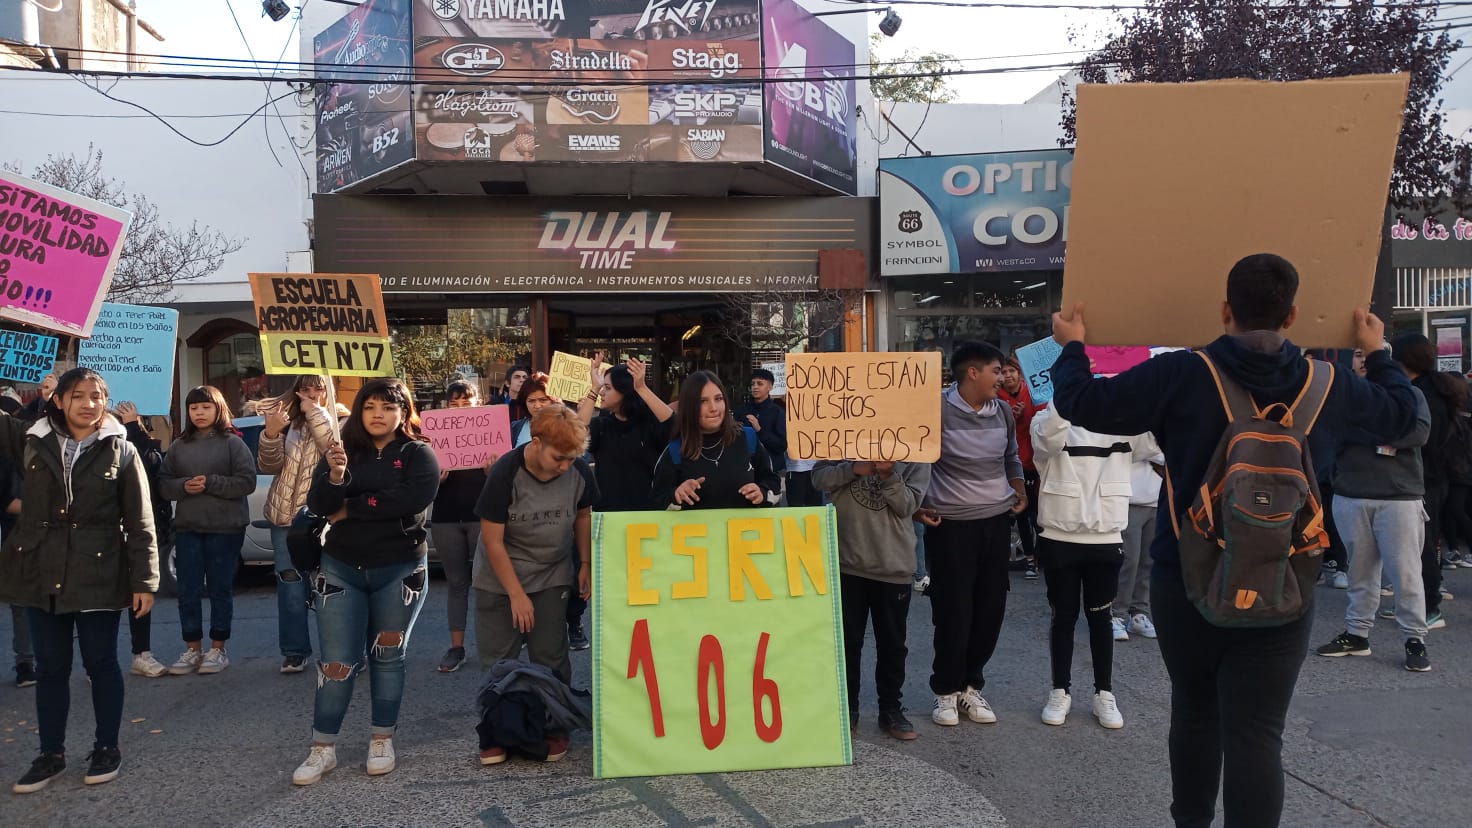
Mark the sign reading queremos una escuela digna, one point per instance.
(467, 244)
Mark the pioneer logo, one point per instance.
(473, 59)
(689, 15)
(593, 143)
(706, 105)
(591, 61)
(329, 115)
(705, 144)
(713, 59)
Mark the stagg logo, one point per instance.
(597, 61)
(592, 104)
(708, 105)
(593, 143)
(910, 221)
(344, 109)
(473, 59)
(705, 144)
(689, 15)
(713, 59)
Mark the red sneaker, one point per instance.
(556, 748)
(493, 756)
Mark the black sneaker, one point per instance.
(293, 664)
(1031, 573)
(1416, 660)
(102, 765)
(453, 658)
(47, 766)
(25, 675)
(576, 639)
(1345, 644)
(895, 724)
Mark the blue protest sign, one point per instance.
(132, 347)
(26, 357)
(1037, 367)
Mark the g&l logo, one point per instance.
(910, 221)
(473, 59)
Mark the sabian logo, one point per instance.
(705, 144)
(473, 59)
(593, 143)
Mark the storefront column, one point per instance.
(541, 346)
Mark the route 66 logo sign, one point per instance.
(910, 221)
(446, 9)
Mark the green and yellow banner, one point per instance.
(718, 642)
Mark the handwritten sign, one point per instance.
(465, 438)
(864, 406)
(58, 251)
(569, 380)
(779, 371)
(26, 357)
(1037, 367)
(132, 347)
(322, 323)
(718, 646)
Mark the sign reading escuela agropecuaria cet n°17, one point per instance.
(473, 244)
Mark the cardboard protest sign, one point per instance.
(718, 646)
(132, 347)
(322, 323)
(1116, 359)
(465, 438)
(1159, 216)
(26, 357)
(58, 251)
(1036, 361)
(864, 406)
(568, 378)
(779, 371)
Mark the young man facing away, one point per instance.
(1230, 687)
(875, 502)
(975, 489)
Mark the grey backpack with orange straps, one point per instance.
(1252, 540)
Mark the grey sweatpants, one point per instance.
(457, 544)
(1133, 594)
(497, 638)
(1388, 535)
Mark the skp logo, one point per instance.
(708, 105)
(473, 59)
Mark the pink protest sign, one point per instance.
(465, 438)
(1115, 359)
(58, 251)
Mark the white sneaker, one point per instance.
(1386, 591)
(945, 711)
(1107, 711)
(213, 662)
(380, 756)
(977, 710)
(322, 759)
(922, 583)
(1140, 624)
(144, 664)
(1056, 710)
(1341, 580)
(1120, 633)
(188, 662)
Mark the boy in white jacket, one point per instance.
(1082, 511)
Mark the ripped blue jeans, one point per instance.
(371, 608)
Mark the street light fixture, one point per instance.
(888, 26)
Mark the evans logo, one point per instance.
(593, 143)
(473, 59)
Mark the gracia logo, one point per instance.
(910, 221)
(594, 105)
(473, 59)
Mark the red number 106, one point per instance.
(711, 664)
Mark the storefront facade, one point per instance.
(1432, 256)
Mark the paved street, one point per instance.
(1368, 744)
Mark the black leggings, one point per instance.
(1081, 570)
(1027, 521)
(1456, 522)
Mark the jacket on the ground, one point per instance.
(1174, 396)
(85, 538)
(292, 456)
(1390, 471)
(876, 525)
(230, 474)
(387, 493)
(1084, 489)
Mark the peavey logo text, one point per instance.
(713, 59)
(689, 15)
(606, 241)
(473, 59)
(598, 61)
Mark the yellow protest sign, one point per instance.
(864, 406)
(569, 377)
(718, 646)
(322, 323)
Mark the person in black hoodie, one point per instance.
(375, 488)
(713, 463)
(456, 532)
(1230, 687)
(768, 417)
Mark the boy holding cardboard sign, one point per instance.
(1230, 686)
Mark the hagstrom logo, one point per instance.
(473, 59)
(705, 144)
(713, 59)
(689, 15)
(910, 221)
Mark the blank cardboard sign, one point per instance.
(1174, 183)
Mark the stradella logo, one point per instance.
(593, 143)
(473, 59)
(910, 221)
(445, 9)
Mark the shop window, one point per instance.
(234, 365)
(475, 344)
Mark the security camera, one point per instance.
(890, 24)
(277, 9)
